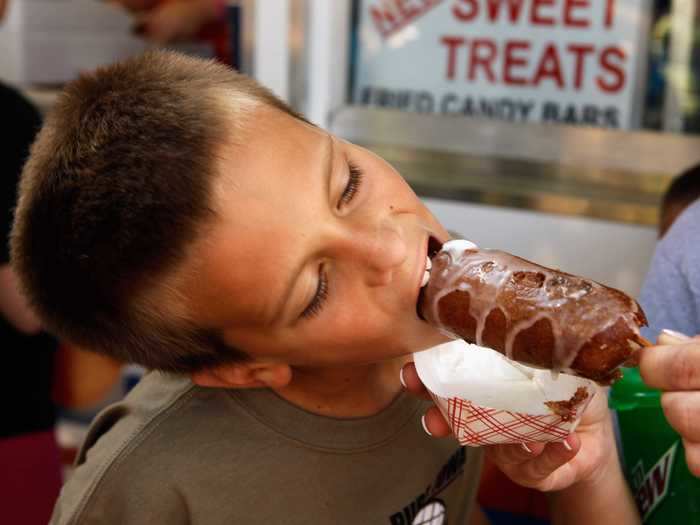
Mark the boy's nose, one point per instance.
(380, 252)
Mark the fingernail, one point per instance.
(425, 427)
(566, 445)
(527, 449)
(403, 382)
(675, 335)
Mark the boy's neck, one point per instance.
(345, 392)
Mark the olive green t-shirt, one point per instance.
(175, 453)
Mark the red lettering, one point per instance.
(580, 51)
(391, 15)
(452, 43)
(407, 9)
(383, 18)
(512, 60)
(615, 70)
(514, 9)
(477, 59)
(467, 11)
(644, 497)
(569, 7)
(549, 67)
(660, 475)
(536, 17)
(609, 13)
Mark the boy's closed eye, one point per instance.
(355, 175)
(354, 180)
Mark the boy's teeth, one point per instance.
(426, 273)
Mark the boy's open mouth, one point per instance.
(434, 247)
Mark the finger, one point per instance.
(675, 367)
(159, 28)
(411, 381)
(682, 410)
(435, 424)
(692, 456)
(671, 337)
(552, 457)
(510, 455)
(546, 468)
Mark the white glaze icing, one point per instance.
(456, 247)
(577, 309)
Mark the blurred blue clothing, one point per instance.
(671, 292)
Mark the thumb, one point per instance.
(671, 337)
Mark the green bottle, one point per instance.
(653, 455)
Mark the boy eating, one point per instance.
(175, 214)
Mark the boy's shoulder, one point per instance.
(137, 450)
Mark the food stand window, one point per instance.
(521, 121)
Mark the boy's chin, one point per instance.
(428, 337)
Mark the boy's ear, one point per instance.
(247, 374)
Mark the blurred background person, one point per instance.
(38, 370)
(670, 295)
(30, 477)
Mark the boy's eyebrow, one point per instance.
(329, 164)
(328, 158)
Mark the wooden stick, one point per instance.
(633, 360)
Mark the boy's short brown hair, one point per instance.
(116, 188)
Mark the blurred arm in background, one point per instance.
(13, 305)
(83, 379)
(166, 21)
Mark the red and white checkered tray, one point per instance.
(474, 425)
(488, 399)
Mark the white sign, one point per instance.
(564, 61)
